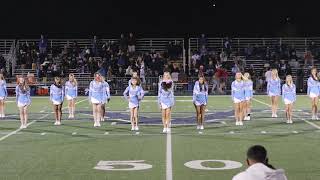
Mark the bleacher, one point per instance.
(239, 44)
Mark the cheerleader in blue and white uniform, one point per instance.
(57, 97)
(3, 95)
(238, 97)
(200, 100)
(97, 97)
(314, 92)
(289, 97)
(134, 94)
(134, 75)
(71, 92)
(23, 101)
(248, 92)
(274, 91)
(166, 100)
(107, 96)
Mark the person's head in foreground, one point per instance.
(259, 168)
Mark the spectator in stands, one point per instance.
(210, 68)
(227, 46)
(235, 69)
(203, 40)
(203, 51)
(259, 167)
(308, 59)
(195, 57)
(95, 46)
(223, 57)
(293, 52)
(131, 43)
(142, 72)
(123, 43)
(42, 45)
(300, 78)
(268, 74)
(2, 62)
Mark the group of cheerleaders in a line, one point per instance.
(242, 94)
(99, 95)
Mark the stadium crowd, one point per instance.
(120, 58)
(113, 58)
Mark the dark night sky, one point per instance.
(108, 18)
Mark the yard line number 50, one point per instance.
(137, 165)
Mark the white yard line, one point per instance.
(169, 158)
(306, 121)
(18, 130)
(32, 122)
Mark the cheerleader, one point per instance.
(23, 101)
(97, 97)
(3, 95)
(134, 75)
(56, 97)
(238, 96)
(248, 93)
(314, 92)
(289, 97)
(166, 100)
(107, 96)
(134, 94)
(200, 100)
(71, 92)
(274, 91)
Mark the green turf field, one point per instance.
(72, 151)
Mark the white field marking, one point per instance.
(12, 115)
(32, 122)
(42, 134)
(74, 133)
(295, 132)
(308, 122)
(200, 132)
(169, 158)
(113, 123)
(18, 130)
(161, 134)
(223, 122)
(263, 132)
(137, 133)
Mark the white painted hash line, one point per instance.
(308, 122)
(169, 158)
(32, 122)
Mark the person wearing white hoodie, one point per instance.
(259, 168)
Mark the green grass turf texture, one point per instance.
(61, 155)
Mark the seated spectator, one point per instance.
(259, 167)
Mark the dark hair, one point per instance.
(166, 85)
(259, 154)
(59, 84)
(204, 83)
(137, 79)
